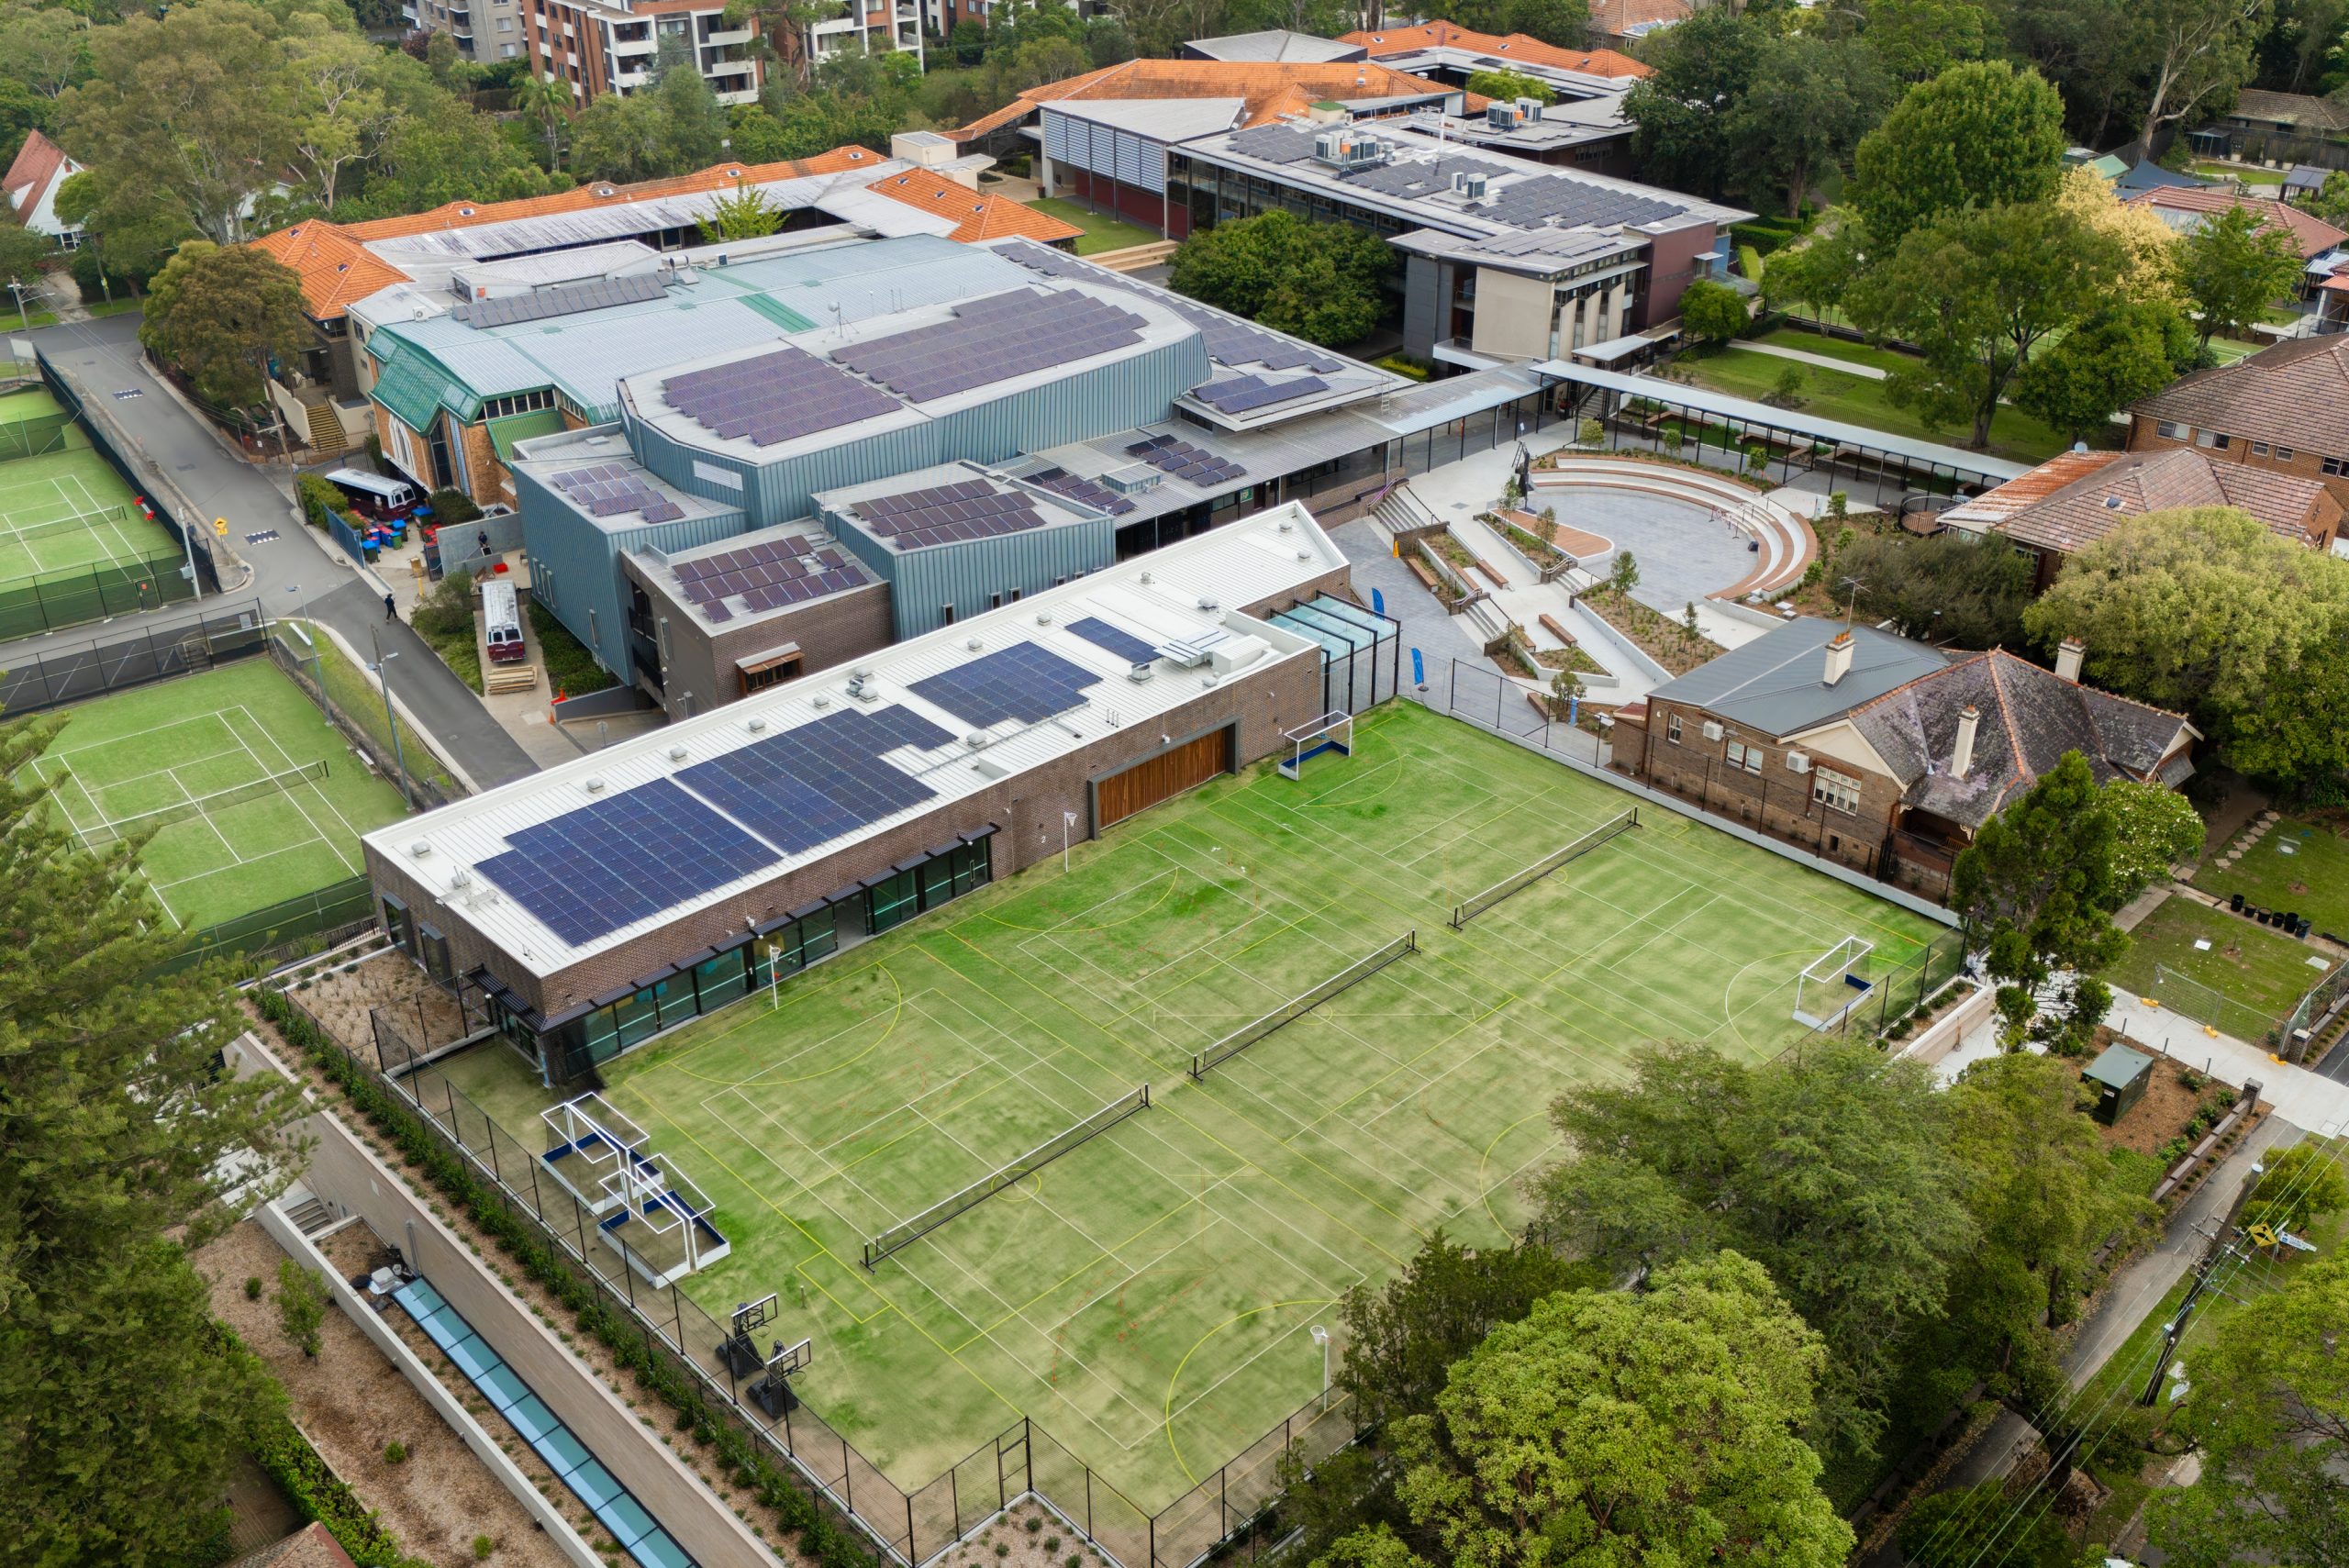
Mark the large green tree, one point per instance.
(1918, 39)
(2038, 887)
(2302, 1184)
(222, 316)
(119, 1412)
(1979, 135)
(1614, 1427)
(1807, 105)
(1954, 589)
(2197, 52)
(1977, 289)
(1683, 111)
(44, 49)
(2270, 1412)
(1826, 1165)
(2154, 829)
(2232, 267)
(2119, 354)
(2208, 612)
(1319, 281)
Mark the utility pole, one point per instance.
(381, 668)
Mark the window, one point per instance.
(893, 901)
(1839, 790)
(1744, 756)
(946, 615)
(1672, 729)
(2259, 449)
(520, 403)
(435, 954)
(2211, 438)
(995, 601)
(1737, 753)
(399, 924)
(2170, 429)
(2283, 454)
(2338, 467)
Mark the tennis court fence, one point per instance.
(1295, 1008)
(1517, 882)
(1901, 988)
(266, 938)
(133, 658)
(73, 595)
(100, 834)
(303, 665)
(1226, 1510)
(36, 438)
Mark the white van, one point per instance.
(501, 623)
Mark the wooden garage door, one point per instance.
(1169, 774)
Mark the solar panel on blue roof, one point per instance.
(589, 872)
(1117, 639)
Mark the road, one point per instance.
(297, 572)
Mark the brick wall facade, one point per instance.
(1025, 810)
(2144, 435)
(1774, 800)
(701, 672)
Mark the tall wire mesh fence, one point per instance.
(113, 664)
(910, 1527)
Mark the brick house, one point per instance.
(1880, 752)
(2283, 410)
(2076, 497)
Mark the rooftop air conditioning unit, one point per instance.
(1712, 730)
(1348, 150)
(1501, 117)
(1797, 762)
(865, 688)
(1472, 186)
(977, 739)
(1133, 481)
(1235, 654)
(1529, 110)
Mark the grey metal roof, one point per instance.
(1777, 683)
(2118, 1066)
(1273, 44)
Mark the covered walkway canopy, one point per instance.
(1652, 414)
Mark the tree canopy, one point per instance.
(1319, 280)
(1954, 589)
(2154, 829)
(1979, 135)
(2233, 268)
(223, 315)
(2112, 359)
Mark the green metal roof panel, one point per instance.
(503, 433)
(774, 310)
(415, 386)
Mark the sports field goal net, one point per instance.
(94, 834)
(1295, 1008)
(1836, 981)
(1331, 732)
(907, 1231)
(1518, 881)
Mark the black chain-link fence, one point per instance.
(132, 659)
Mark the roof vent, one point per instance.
(1209, 603)
(972, 643)
(977, 739)
(592, 786)
(1044, 617)
(862, 672)
(1146, 579)
(1288, 527)
(820, 700)
(461, 877)
(1305, 555)
(677, 753)
(2112, 503)
(865, 688)
(756, 727)
(599, 440)
(421, 848)
(1141, 673)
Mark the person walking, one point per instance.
(483, 538)
(391, 609)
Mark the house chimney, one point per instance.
(1969, 718)
(1838, 656)
(2068, 657)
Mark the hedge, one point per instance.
(572, 670)
(521, 1239)
(321, 1495)
(318, 498)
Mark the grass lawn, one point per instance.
(2313, 878)
(1148, 1298)
(354, 691)
(2257, 974)
(2249, 173)
(1858, 400)
(1100, 233)
(115, 306)
(252, 797)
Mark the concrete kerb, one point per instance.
(288, 1236)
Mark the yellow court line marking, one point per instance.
(1172, 1447)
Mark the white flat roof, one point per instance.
(1157, 597)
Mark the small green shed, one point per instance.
(2120, 1076)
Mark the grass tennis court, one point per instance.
(1147, 1298)
(69, 511)
(253, 796)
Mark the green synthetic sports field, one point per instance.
(225, 761)
(64, 508)
(1147, 1298)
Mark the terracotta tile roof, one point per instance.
(1613, 18)
(336, 272)
(2295, 394)
(1267, 89)
(36, 164)
(1515, 46)
(2311, 233)
(2077, 499)
(600, 194)
(988, 217)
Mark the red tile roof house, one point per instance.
(2077, 498)
(2285, 409)
(1882, 753)
(2187, 209)
(31, 183)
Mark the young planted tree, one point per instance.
(743, 212)
(2233, 268)
(300, 1306)
(123, 1408)
(1624, 575)
(2038, 887)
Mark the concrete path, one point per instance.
(296, 574)
(2303, 1098)
(1438, 637)
(1824, 362)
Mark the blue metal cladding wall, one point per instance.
(968, 575)
(575, 566)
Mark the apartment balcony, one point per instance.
(729, 36)
(735, 95)
(623, 48)
(628, 80)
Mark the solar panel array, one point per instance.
(1184, 461)
(969, 508)
(587, 872)
(543, 304)
(1554, 198)
(1083, 491)
(812, 783)
(1273, 144)
(1251, 392)
(1428, 179)
(1229, 341)
(991, 340)
(1024, 683)
(1117, 639)
(614, 489)
(766, 575)
(774, 397)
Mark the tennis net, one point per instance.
(1288, 1012)
(905, 1233)
(101, 833)
(1517, 882)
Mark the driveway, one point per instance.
(296, 572)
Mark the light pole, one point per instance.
(381, 670)
(1322, 1337)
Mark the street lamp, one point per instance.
(381, 670)
(1322, 1337)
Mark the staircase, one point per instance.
(1134, 258)
(310, 1216)
(325, 429)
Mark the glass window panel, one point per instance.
(721, 979)
(637, 1018)
(894, 902)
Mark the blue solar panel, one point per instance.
(1122, 643)
(1023, 683)
(587, 872)
(814, 784)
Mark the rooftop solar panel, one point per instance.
(1023, 683)
(1229, 341)
(1100, 497)
(774, 397)
(991, 339)
(819, 781)
(587, 872)
(1255, 392)
(1117, 639)
(543, 304)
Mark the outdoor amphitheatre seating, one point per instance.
(1788, 544)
